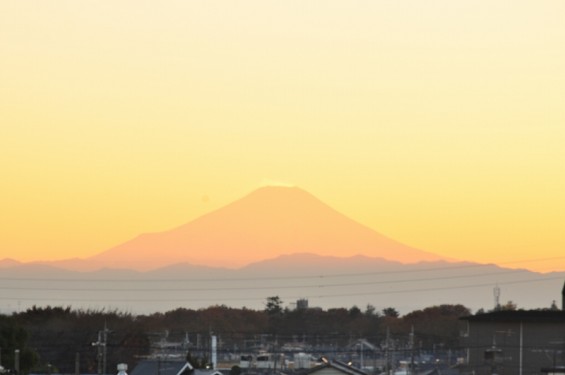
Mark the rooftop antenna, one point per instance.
(496, 298)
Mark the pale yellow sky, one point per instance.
(438, 123)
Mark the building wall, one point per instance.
(537, 344)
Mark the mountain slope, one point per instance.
(269, 222)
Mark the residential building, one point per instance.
(517, 342)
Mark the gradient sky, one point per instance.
(438, 123)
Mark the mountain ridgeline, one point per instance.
(327, 282)
(275, 241)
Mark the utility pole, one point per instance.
(98, 345)
(104, 347)
(77, 363)
(17, 361)
(387, 353)
(101, 345)
(412, 351)
(214, 350)
(362, 364)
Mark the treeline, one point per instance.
(50, 338)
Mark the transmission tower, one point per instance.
(496, 298)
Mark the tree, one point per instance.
(509, 306)
(13, 337)
(437, 324)
(274, 305)
(354, 311)
(370, 310)
(274, 311)
(56, 331)
(390, 312)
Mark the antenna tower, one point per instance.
(496, 297)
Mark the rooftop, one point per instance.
(539, 316)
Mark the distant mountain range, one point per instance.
(325, 281)
(275, 241)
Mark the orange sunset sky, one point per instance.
(440, 124)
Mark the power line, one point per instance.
(208, 289)
(320, 276)
(332, 295)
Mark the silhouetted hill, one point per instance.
(269, 222)
(7, 262)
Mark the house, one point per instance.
(333, 368)
(520, 342)
(169, 367)
(339, 368)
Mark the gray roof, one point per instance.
(168, 367)
(340, 366)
